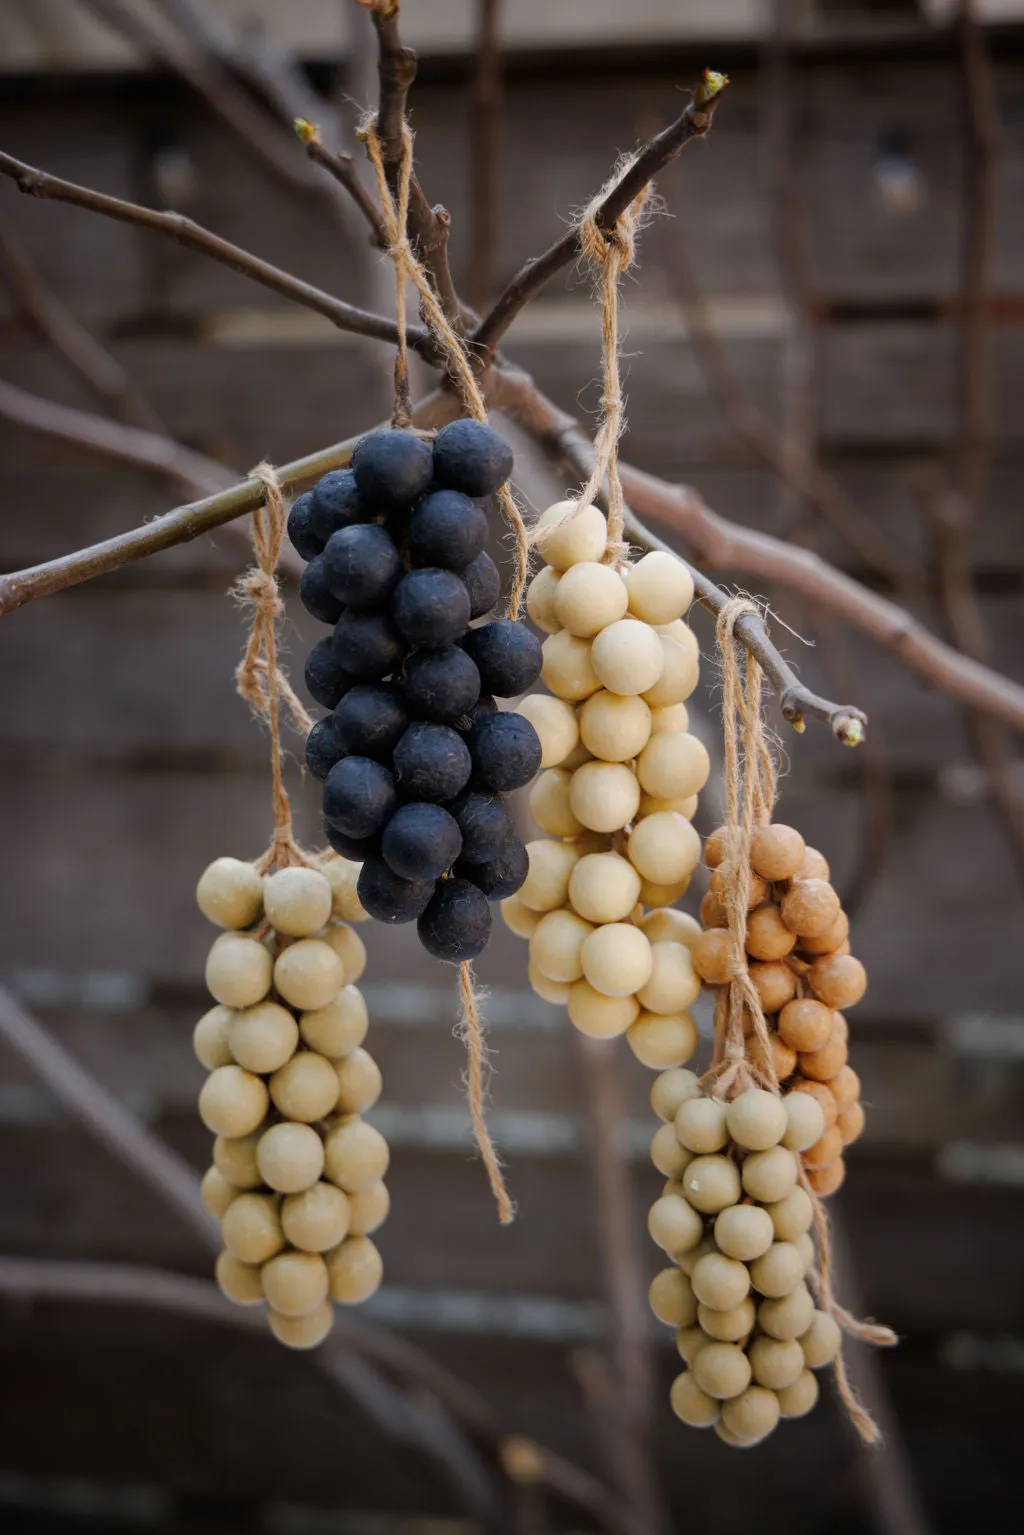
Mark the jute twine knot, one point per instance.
(744, 1059)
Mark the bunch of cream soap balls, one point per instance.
(297, 1174)
(617, 791)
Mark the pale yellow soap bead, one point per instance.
(549, 803)
(356, 1270)
(518, 917)
(788, 1317)
(689, 1340)
(744, 1232)
(776, 1362)
(308, 973)
(540, 600)
(673, 1224)
(302, 1332)
(232, 1102)
(628, 657)
(604, 796)
(263, 1037)
(659, 1040)
(369, 1209)
(673, 985)
(240, 1282)
(711, 1183)
(546, 886)
(339, 1027)
(569, 534)
(792, 1215)
(556, 947)
(722, 1370)
(680, 673)
(617, 959)
(664, 848)
(317, 1219)
(651, 804)
(690, 1404)
(555, 992)
(752, 1415)
(681, 631)
(613, 727)
(655, 895)
(800, 1398)
(356, 1155)
(604, 887)
(306, 1087)
(674, 719)
(238, 970)
(589, 598)
(236, 1159)
(768, 1176)
(720, 1282)
(671, 1298)
(729, 1326)
(821, 1342)
(359, 1082)
(688, 1260)
(350, 949)
(660, 588)
(290, 1157)
(805, 1121)
(673, 766)
(297, 901)
(217, 1193)
(804, 1244)
(598, 1015)
(210, 1035)
(555, 723)
(670, 1091)
(230, 893)
(343, 877)
(667, 924)
(756, 1119)
(701, 1125)
(577, 757)
(295, 1283)
(251, 1228)
(666, 1153)
(567, 668)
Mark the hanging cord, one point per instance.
(750, 789)
(470, 1031)
(258, 678)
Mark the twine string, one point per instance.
(471, 1032)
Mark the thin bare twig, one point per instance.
(343, 168)
(485, 151)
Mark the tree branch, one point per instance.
(485, 150)
(343, 168)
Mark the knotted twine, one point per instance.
(750, 789)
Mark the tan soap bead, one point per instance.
(690, 1404)
(210, 1036)
(768, 1176)
(670, 1091)
(339, 1027)
(757, 890)
(666, 1153)
(805, 1024)
(844, 1088)
(569, 534)
(604, 796)
(567, 667)
(671, 1298)
(628, 657)
(297, 901)
(356, 1270)
(308, 974)
(850, 1124)
(240, 1282)
(727, 1436)
(680, 673)
(809, 907)
(838, 979)
(829, 941)
(306, 1087)
(792, 1216)
(359, 1082)
(756, 1119)
(821, 1342)
(657, 895)
(659, 1040)
(774, 982)
(825, 1150)
(295, 1283)
(598, 1015)
(356, 1155)
(589, 597)
(827, 1180)
(701, 1125)
(604, 887)
(814, 866)
(617, 959)
(720, 1282)
(711, 1183)
(673, 984)
(236, 1160)
(519, 918)
(369, 1209)
(614, 728)
(217, 1193)
(343, 876)
(688, 1260)
(822, 1065)
(673, 766)
(555, 724)
(557, 945)
(729, 1326)
(251, 1228)
(263, 1037)
(744, 1232)
(663, 848)
(232, 1102)
(777, 852)
(302, 1332)
(549, 803)
(797, 1400)
(555, 992)
(670, 924)
(788, 1317)
(674, 718)
(660, 588)
(317, 1219)
(290, 1157)
(540, 600)
(674, 1224)
(820, 1092)
(805, 1121)
(238, 970)
(689, 1340)
(350, 949)
(782, 1056)
(778, 1271)
(546, 886)
(722, 1370)
(767, 935)
(230, 893)
(716, 847)
(712, 956)
(752, 1415)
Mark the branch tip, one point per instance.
(307, 132)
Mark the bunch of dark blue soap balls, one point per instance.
(416, 759)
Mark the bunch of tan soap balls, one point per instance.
(617, 791)
(736, 1224)
(297, 1176)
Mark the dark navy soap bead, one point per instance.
(322, 750)
(362, 567)
(506, 751)
(359, 796)
(421, 841)
(431, 762)
(389, 898)
(305, 542)
(471, 457)
(484, 707)
(483, 583)
(457, 923)
(368, 645)
(316, 596)
(371, 720)
(327, 681)
(503, 875)
(358, 849)
(335, 503)
(486, 824)
(446, 530)
(508, 657)
(392, 468)
(431, 607)
(441, 684)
